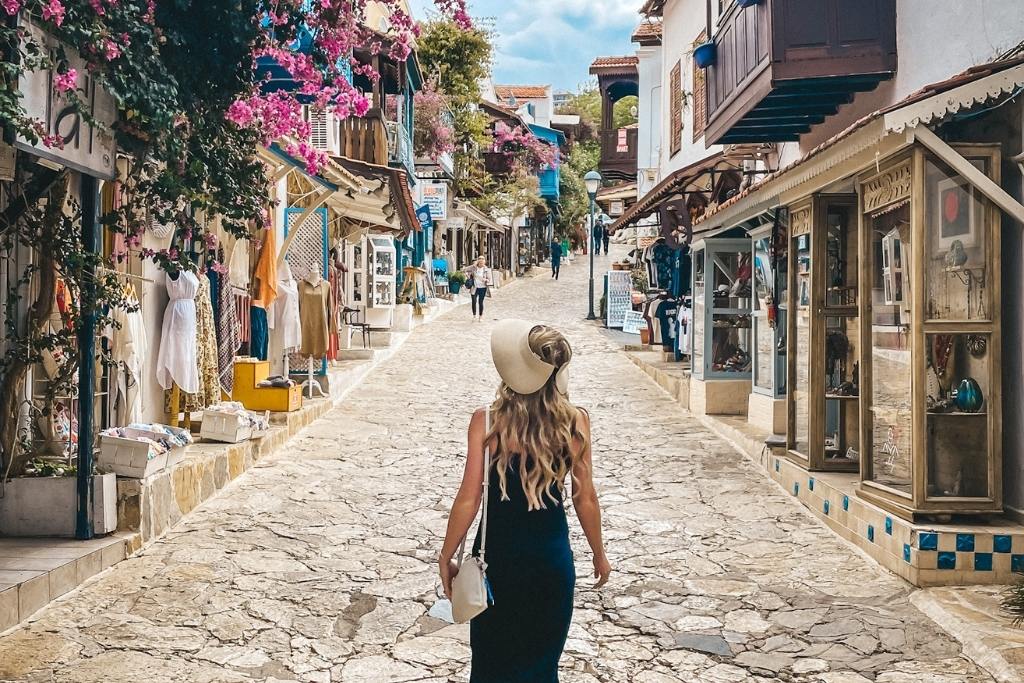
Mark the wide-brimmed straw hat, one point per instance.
(519, 367)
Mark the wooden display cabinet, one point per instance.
(930, 295)
(824, 337)
(721, 343)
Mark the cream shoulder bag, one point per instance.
(469, 589)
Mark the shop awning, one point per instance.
(622, 191)
(386, 203)
(697, 177)
(876, 136)
(477, 219)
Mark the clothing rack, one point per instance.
(120, 273)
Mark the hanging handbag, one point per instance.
(469, 588)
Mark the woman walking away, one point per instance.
(556, 258)
(534, 439)
(480, 279)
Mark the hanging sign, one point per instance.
(435, 195)
(623, 141)
(634, 322)
(456, 223)
(423, 215)
(86, 149)
(618, 302)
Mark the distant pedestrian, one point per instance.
(604, 238)
(598, 233)
(480, 281)
(556, 258)
(529, 441)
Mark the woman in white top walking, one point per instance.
(480, 279)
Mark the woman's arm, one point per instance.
(467, 501)
(588, 509)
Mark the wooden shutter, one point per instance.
(319, 137)
(700, 94)
(676, 109)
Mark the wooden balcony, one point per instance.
(784, 66)
(498, 163)
(618, 154)
(365, 139)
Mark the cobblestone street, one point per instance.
(319, 564)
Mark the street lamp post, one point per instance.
(593, 182)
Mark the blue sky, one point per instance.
(552, 41)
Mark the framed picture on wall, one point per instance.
(958, 212)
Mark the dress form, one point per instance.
(315, 279)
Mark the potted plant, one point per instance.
(455, 281)
(705, 54)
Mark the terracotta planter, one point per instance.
(645, 335)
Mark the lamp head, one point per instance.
(593, 182)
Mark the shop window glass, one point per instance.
(842, 388)
(802, 345)
(957, 384)
(892, 371)
(841, 252)
(957, 278)
(730, 277)
(730, 345)
(697, 363)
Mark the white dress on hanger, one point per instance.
(238, 264)
(284, 312)
(129, 348)
(176, 361)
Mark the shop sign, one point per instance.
(616, 207)
(424, 216)
(435, 195)
(456, 223)
(90, 150)
(619, 302)
(634, 322)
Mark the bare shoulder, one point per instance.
(583, 418)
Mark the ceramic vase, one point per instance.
(969, 398)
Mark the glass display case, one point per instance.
(824, 334)
(722, 294)
(770, 306)
(355, 277)
(381, 271)
(930, 284)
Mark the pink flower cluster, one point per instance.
(536, 154)
(63, 82)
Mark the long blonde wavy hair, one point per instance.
(540, 431)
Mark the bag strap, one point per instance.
(483, 502)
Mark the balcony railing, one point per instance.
(783, 66)
(400, 150)
(618, 153)
(498, 163)
(364, 139)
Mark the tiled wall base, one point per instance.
(923, 554)
(767, 413)
(719, 397)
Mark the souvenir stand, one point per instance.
(766, 408)
(930, 287)
(382, 273)
(372, 279)
(721, 337)
(824, 334)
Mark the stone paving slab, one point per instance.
(319, 564)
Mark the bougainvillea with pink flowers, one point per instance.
(187, 77)
(526, 148)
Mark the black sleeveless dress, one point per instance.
(520, 637)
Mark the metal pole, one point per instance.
(590, 248)
(86, 360)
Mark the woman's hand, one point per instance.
(602, 570)
(448, 570)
